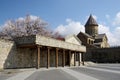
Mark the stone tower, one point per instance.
(91, 27)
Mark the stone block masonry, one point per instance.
(37, 51)
(13, 57)
(5, 49)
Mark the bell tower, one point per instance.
(91, 26)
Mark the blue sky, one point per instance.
(56, 11)
(61, 12)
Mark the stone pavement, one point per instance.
(25, 74)
(11, 74)
(79, 76)
(21, 76)
(113, 71)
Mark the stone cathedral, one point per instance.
(91, 37)
(98, 49)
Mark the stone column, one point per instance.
(56, 57)
(69, 58)
(48, 57)
(74, 58)
(82, 55)
(79, 58)
(38, 57)
(63, 58)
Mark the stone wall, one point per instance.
(13, 57)
(104, 43)
(72, 59)
(46, 41)
(6, 48)
(40, 40)
(26, 57)
(26, 40)
(73, 39)
(43, 58)
(105, 55)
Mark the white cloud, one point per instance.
(32, 17)
(117, 34)
(113, 38)
(116, 21)
(72, 27)
(21, 19)
(116, 29)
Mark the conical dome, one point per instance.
(91, 22)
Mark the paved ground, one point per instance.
(55, 74)
(4, 76)
(14, 74)
(101, 71)
(96, 72)
(8, 73)
(108, 66)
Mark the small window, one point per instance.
(89, 41)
